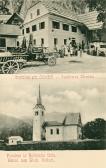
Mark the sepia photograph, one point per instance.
(52, 114)
(52, 36)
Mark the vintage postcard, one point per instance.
(46, 122)
(52, 36)
(53, 93)
(52, 114)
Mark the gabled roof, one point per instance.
(53, 123)
(4, 18)
(90, 20)
(15, 137)
(72, 118)
(64, 120)
(12, 17)
(12, 30)
(56, 9)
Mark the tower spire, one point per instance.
(39, 100)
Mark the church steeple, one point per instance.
(38, 118)
(39, 99)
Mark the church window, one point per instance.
(51, 131)
(57, 131)
(36, 113)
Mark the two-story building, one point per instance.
(52, 26)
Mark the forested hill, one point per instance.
(78, 6)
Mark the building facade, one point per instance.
(8, 36)
(9, 31)
(14, 140)
(52, 26)
(67, 128)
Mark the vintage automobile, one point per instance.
(11, 62)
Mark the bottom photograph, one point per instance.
(52, 114)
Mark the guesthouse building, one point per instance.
(52, 26)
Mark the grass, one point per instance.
(74, 145)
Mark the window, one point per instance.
(51, 131)
(65, 41)
(15, 21)
(55, 41)
(34, 41)
(74, 29)
(42, 113)
(57, 131)
(42, 25)
(27, 30)
(2, 42)
(22, 31)
(42, 41)
(66, 27)
(38, 12)
(18, 43)
(55, 25)
(36, 113)
(34, 28)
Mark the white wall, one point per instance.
(54, 136)
(70, 133)
(33, 11)
(38, 120)
(13, 141)
(11, 42)
(42, 33)
(61, 34)
(48, 33)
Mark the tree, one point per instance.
(95, 129)
(99, 5)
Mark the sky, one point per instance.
(18, 97)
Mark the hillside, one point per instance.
(21, 6)
(11, 126)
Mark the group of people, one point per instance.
(73, 49)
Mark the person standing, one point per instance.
(80, 50)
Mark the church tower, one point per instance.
(38, 119)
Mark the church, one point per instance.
(67, 128)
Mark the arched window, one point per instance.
(57, 130)
(36, 113)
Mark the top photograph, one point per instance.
(52, 36)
